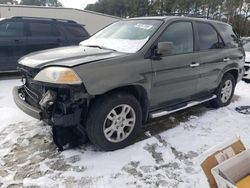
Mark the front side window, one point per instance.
(208, 37)
(125, 36)
(12, 29)
(43, 30)
(181, 35)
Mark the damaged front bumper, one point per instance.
(24, 106)
(64, 107)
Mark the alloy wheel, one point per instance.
(226, 91)
(119, 123)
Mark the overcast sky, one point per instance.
(80, 4)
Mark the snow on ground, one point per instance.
(168, 158)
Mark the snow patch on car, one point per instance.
(120, 45)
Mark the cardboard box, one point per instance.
(226, 154)
(234, 172)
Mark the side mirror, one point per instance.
(165, 48)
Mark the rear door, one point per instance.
(214, 56)
(12, 44)
(43, 35)
(175, 77)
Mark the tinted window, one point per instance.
(11, 29)
(229, 36)
(181, 35)
(76, 31)
(43, 30)
(208, 37)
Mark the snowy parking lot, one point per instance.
(165, 155)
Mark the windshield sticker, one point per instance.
(143, 26)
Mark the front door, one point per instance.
(12, 44)
(175, 75)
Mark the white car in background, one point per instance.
(245, 40)
(247, 62)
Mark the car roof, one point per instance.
(165, 18)
(43, 19)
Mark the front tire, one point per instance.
(225, 91)
(114, 121)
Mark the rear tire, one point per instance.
(224, 92)
(114, 121)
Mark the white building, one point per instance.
(93, 21)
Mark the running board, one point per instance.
(188, 105)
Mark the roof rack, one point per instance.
(41, 18)
(191, 15)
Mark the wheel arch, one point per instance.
(234, 71)
(138, 91)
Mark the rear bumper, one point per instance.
(24, 106)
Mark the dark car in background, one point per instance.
(20, 36)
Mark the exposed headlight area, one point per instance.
(55, 95)
(58, 75)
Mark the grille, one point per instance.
(32, 91)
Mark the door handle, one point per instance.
(226, 59)
(192, 65)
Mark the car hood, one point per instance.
(247, 57)
(67, 56)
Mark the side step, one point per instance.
(172, 110)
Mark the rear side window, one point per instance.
(181, 35)
(12, 29)
(76, 31)
(208, 37)
(230, 38)
(43, 30)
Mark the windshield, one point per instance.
(125, 36)
(247, 47)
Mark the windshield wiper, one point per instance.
(101, 47)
